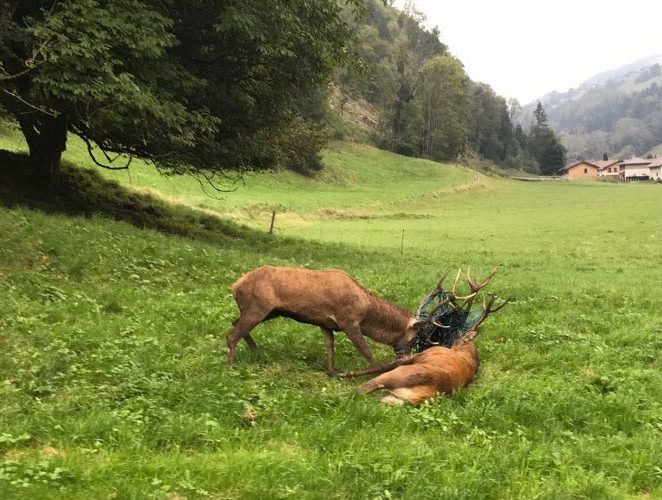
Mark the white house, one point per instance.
(654, 169)
(635, 169)
(608, 168)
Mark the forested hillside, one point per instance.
(618, 112)
(422, 101)
(223, 88)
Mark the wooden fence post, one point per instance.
(273, 219)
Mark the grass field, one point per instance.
(114, 384)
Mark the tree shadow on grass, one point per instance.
(83, 192)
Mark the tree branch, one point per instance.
(90, 151)
(31, 63)
(51, 113)
(210, 181)
(6, 77)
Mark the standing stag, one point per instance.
(330, 299)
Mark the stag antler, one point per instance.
(452, 292)
(450, 316)
(487, 310)
(476, 286)
(434, 292)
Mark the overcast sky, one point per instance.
(525, 49)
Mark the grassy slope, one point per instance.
(115, 383)
(356, 177)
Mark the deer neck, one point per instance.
(466, 349)
(386, 322)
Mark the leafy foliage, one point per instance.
(540, 115)
(547, 150)
(210, 85)
(267, 66)
(491, 134)
(541, 145)
(443, 97)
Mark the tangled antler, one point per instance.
(445, 316)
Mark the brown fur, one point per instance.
(437, 370)
(330, 299)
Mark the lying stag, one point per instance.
(435, 370)
(330, 299)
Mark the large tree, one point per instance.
(540, 115)
(188, 85)
(544, 145)
(396, 77)
(547, 150)
(443, 94)
(491, 134)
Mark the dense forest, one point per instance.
(618, 113)
(223, 86)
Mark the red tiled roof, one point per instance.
(601, 164)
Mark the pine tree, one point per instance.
(544, 146)
(541, 116)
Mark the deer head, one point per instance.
(445, 317)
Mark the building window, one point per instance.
(586, 170)
(609, 170)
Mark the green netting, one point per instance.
(456, 321)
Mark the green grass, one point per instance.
(357, 177)
(113, 378)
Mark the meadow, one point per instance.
(114, 383)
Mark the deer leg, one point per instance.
(251, 343)
(355, 335)
(242, 328)
(328, 338)
(383, 381)
(403, 377)
(379, 369)
(413, 395)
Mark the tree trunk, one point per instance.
(47, 138)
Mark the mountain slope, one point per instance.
(618, 112)
(622, 71)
